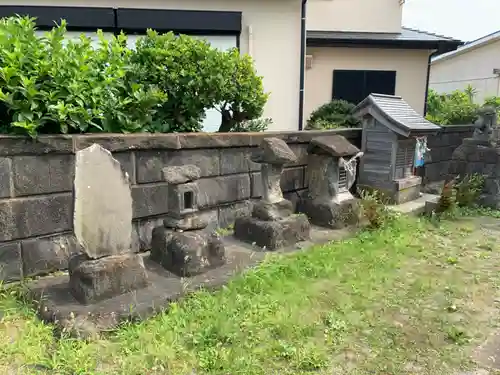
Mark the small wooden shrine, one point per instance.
(392, 130)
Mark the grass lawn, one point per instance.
(414, 298)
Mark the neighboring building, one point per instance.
(358, 47)
(476, 63)
(268, 30)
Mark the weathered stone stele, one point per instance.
(103, 204)
(103, 227)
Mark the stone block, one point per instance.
(238, 160)
(187, 254)
(406, 195)
(45, 255)
(35, 216)
(5, 180)
(127, 164)
(331, 215)
(12, 145)
(150, 200)
(92, 281)
(150, 166)
(229, 213)
(42, 174)
(10, 262)
(224, 189)
(272, 235)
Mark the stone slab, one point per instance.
(238, 160)
(272, 235)
(103, 204)
(48, 254)
(60, 307)
(224, 189)
(92, 280)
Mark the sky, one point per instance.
(462, 19)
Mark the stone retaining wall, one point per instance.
(442, 147)
(36, 181)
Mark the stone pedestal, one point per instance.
(335, 214)
(187, 254)
(272, 235)
(94, 280)
(273, 224)
(181, 245)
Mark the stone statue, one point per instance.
(486, 125)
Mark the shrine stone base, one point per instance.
(272, 235)
(335, 215)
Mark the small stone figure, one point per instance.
(107, 267)
(182, 245)
(329, 202)
(486, 126)
(273, 224)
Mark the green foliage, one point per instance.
(451, 109)
(252, 126)
(51, 85)
(335, 114)
(374, 209)
(469, 189)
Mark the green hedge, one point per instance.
(52, 85)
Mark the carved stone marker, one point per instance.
(103, 228)
(332, 172)
(480, 155)
(272, 224)
(181, 245)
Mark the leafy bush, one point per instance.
(335, 114)
(51, 85)
(451, 109)
(252, 126)
(374, 209)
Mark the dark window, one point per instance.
(355, 85)
(405, 157)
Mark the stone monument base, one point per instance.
(399, 191)
(272, 211)
(272, 235)
(92, 281)
(187, 254)
(334, 215)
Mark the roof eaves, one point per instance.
(468, 46)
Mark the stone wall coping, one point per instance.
(44, 144)
(456, 128)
